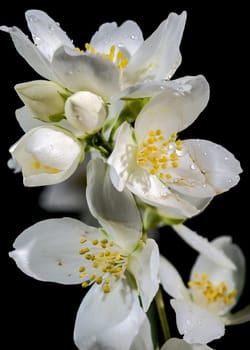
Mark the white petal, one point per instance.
(152, 191)
(238, 317)
(123, 157)
(144, 265)
(77, 71)
(26, 119)
(49, 250)
(108, 321)
(143, 340)
(234, 279)
(116, 211)
(30, 52)
(43, 98)
(218, 164)
(201, 245)
(159, 56)
(197, 325)
(46, 33)
(174, 109)
(171, 280)
(47, 156)
(180, 344)
(127, 37)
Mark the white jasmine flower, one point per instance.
(115, 57)
(179, 177)
(46, 155)
(204, 308)
(113, 260)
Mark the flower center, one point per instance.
(41, 167)
(103, 264)
(158, 154)
(213, 297)
(114, 56)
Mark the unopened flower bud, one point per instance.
(85, 111)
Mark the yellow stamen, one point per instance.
(212, 293)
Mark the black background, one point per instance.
(41, 315)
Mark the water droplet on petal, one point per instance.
(230, 180)
(225, 158)
(193, 166)
(134, 37)
(204, 154)
(204, 185)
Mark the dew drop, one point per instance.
(36, 39)
(204, 185)
(229, 181)
(204, 154)
(193, 166)
(225, 158)
(134, 37)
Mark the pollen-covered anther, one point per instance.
(113, 55)
(104, 264)
(205, 292)
(157, 154)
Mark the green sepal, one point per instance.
(55, 118)
(152, 218)
(130, 111)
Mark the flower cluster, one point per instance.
(104, 123)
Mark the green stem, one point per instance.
(162, 314)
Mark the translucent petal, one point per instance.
(238, 317)
(202, 245)
(127, 37)
(101, 317)
(49, 250)
(234, 279)
(30, 52)
(174, 109)
(116, 211)
(196, 324)
(46, 33)
(159, 56)
(171, 280)
(26, 119)
(143, 340)
(123, 157)
(219, 165)
(77, 71)
(144, 265)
